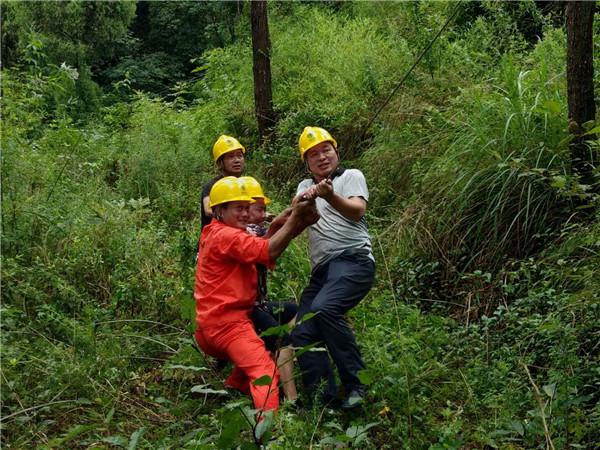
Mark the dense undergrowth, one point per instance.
(483, 327)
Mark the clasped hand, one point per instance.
(323, 189)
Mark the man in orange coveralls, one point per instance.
(226, 285)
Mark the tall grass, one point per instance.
(484, 180)
(492, 188)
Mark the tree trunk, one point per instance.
(261, 50)
(580, 83)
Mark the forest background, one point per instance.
(483, 328)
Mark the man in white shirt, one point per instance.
(343, 268)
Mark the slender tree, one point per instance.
(261, 58)
(580, 83)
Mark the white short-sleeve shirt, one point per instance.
(333, 234)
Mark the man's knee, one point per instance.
(326, 311)
(302, 334)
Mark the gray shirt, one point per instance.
(333, 234)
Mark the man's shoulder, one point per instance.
(352, 173)
(350, 176)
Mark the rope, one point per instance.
(406, 75)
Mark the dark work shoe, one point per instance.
(354, 399)
(330, 401)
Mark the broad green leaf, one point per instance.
(264, 426)
(280, 330)
(202, 389)
(550, 389)
(366, 376)
(594, 130)
(550, 106)
(516, 426)
(306, 317)
(234, 405)
(334, 425)
(358, 432)
(116, 439)
(135, 437)
(265, 380)
(232, 421)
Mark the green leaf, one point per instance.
(366, 376)
(199, 69)
(135, 437)
(550, 389)
(306, 317)
(116, 439)
(202, 389)
(558, 182)
(232, 422)
(516, 426)
(236, 404)
(72, 433)
(182, 367)
(308, 348)
(550, 106)
(336, 441)
(110, 415)
(265, 380)
(188, 308)
(358, 432)
(334, 425)
(594, 130)
(265, 425)
(280, 331)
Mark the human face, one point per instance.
(233, 163)
(322, 160)
(258, 212)
(235, 214)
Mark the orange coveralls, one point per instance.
(225, 293)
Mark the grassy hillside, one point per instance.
(482, 329)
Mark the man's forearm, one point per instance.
(304, 213)
(282, 237)
(351, 208)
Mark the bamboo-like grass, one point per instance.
(490, 194)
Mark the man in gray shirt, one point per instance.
(343, 268)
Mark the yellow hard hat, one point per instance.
(229, 189)
(226, 144)
(312, 136)
(254, 189)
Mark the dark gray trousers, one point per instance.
(334, 288)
